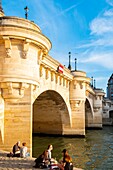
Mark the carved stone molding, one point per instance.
(74, 84)
(13, 91)
(9, 87)
(46, 73)
(7, 46)
(40, 53)
(45, 52)
(64, 81)
(96, 97)
(67, 83)
(8, 52)
(26, 48)
(75, 104)
(22, 88)
(81, 85)
(60, 83)
(52, 76)
(35, 90)
(96, 109)
(41, 71)
(56, 78)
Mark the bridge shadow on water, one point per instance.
(94, 152)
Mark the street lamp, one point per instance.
(1, 9)
(75, 64)
(94, 84)
(92, 81)
(26, 12)
(69, 67)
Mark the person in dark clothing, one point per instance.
(42, 161)
(15, 151)
(67, 160)
(65, 163)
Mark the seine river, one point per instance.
(94, 152)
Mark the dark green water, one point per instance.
(94, 152)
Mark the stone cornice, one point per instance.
(19, 78)
(23, 29)
(90, 90)
(12, 91)
(9, 20)
(52, 64)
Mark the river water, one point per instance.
(94, 152)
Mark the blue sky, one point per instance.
(83, 27)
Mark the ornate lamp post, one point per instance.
(1, 9)
(92, 81)
(94, 84)
(69, 67)
(26, 12)
(75, 64)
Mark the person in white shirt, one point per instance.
(23, 151)
(49, 149)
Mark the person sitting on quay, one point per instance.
(53, 162)
(49, 149)
(45, 160)
(15, 151)
(23, 151)
(42, 161)
(67, 160)
(65, 164)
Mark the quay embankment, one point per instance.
(14, 163)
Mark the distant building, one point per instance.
(110, 88)
(108, 104)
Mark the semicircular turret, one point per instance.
(22, 47)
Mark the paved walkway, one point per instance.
(7, 163)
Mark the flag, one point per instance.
(60, 68)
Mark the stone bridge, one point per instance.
(35, 97)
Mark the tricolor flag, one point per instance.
(60, 68)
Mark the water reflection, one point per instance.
(94, 152)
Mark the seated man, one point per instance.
(16, 149)
(23, 151)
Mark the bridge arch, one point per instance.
(50, 113)
(111, 113)
(88, 113)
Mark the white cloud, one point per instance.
(110, 2)
(102, 59)
(104, 41)
(98, 49)
(67, 9)
(100, 79)
(100, 26)
(109, 12)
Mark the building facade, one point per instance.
(108, 104)
(110, 88)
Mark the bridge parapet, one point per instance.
(78, 73)
(99, 94)
(51, 64)
(96, 121)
